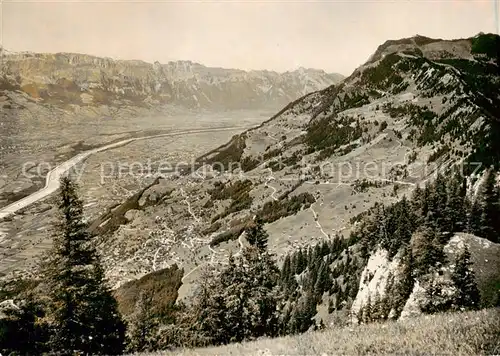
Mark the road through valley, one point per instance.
(53, 176)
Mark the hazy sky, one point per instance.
(336, 36)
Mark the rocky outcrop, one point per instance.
(485, 257)
(380, 271)
(374, 280)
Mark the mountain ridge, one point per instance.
(81, 79)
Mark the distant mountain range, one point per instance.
(64, 79)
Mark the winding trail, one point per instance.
(241, 247)
(52, 178)
(316, 220)
(270, 178)
(184, 195)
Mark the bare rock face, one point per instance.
(78, 79)
(374, 280)
(485, 264)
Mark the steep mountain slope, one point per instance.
(75, 79)
(417, 106)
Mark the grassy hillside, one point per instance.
(471, 333)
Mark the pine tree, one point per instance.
(378, 308)
(467, 296)
(404, 226)
(489, 225)
(325, 249)
(436, 299)
(404, 286)
(301, 262)
(264, 299)
(286, 270)
(428, 249)
(206, 319)
(303, 313)
(143, 326)
(322, 280)
(84, 312)
(240, 302)
(437, 202)
(368, 311)
(365, 247)
(456, 204)
(417, 201)
(474, 217)
(284, 322)
(336, 246)
(288, 283)
(256, 235)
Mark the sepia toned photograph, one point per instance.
(256, 177)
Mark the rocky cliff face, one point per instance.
(380, 271)
(77, 79)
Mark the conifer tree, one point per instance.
(84, 312)
(301, 262)
(378, 308)
(437, 201)
(322, 280)
(404, 286)
(240, 302)
(365, 247)
(256, 235)
(263, 276)
(206, 319)
(286, 270)
(417, 201)
(143, 326)
(456, 204)
(325, 250)
(474, 217)
(428, 250)
(303, 314)
(288, 283)
(404, 226)
(489, 224)
(367, 310)
(467, 296)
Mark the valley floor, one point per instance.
(469, 333)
